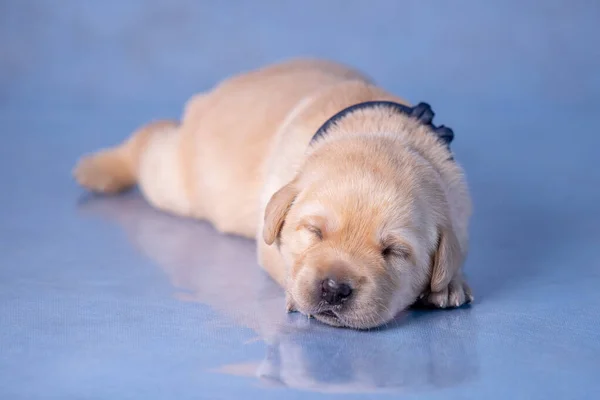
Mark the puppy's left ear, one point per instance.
(447, 260)
(276, 211)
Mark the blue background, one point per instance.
(106, 298)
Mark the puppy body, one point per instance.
(241, 157)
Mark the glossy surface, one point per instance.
(106, 298)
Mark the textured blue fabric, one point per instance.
(106, 298)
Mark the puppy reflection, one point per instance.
(300, 353)
(383, 362)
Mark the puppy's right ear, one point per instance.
(277, 210)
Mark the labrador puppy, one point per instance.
(357, 204)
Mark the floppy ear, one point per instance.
(447, 260)
(276, 210)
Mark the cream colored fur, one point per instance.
(240, 158)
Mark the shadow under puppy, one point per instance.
(358, 207)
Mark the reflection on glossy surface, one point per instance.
(109, 299)
(221, 271)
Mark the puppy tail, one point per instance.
(115, 169)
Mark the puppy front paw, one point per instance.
(454, 295)
(290, 307)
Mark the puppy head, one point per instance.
(363, 231)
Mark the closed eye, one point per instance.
(395, 251)
(314, 230)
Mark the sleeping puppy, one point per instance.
(357, 205)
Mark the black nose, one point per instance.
(335, 293)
